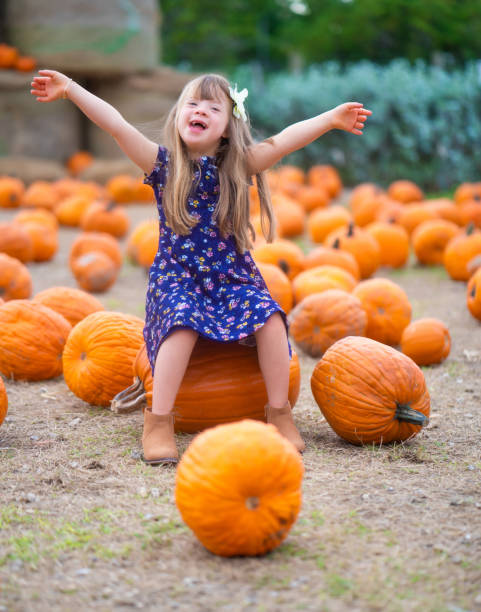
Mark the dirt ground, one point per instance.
(85, 525)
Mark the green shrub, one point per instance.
(426, 124)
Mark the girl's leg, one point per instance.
(170, 366)
(158, 439)
(273, 355)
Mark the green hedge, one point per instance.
(426, 122)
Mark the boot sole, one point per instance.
(163, 461)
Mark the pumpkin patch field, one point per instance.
(382, 288)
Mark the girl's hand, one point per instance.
(350, 117)
(49, 86)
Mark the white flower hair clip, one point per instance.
(238, 98)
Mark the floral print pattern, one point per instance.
(200, 280)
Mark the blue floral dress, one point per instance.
(200, 281)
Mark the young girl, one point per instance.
(203, 279)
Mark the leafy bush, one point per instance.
(425, 125)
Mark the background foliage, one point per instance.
(206, 35)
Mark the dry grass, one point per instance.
(84, 525)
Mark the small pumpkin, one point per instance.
(473, 294)
(242, 507)
(360, 244)
(278, 284)
(445, 208)
(40, 194)
(8, 55)
(120, 188)
(405, 191)
(32, 340)
(362, 193)
(467, 191)
(459, 251)
(393, 241)
(44, 240)
(96, 241)
(15, 279)
(413, 215)
(16, 242)
(325, 176)
(321, 319)
(73, 304)
(94, 271)
(312, 198)
(290, 216)
(71, 209)
(3, 402)
(332, 256)
(11, 192)
(426, 341)
(470, 212)
(325, 220)
(430, 238)
(387, 307)
(78, 162)
(370, 393)
(25, 63)
(143, 243)
(283, 253)
(321, 278)
(37, 215)
(105, 217)
(99, 354)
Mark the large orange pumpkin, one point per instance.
(44, 240)
(405, 191)
(426, 341)
(326, 176)
(283, 253)
(413, 215)
(238, 487)
(290, 216)
(312, 198)
(387, 307)
(393, 241)
(321, 319)
(332, 256)
(473, 294)
(3, 401)
(323, 221)
(359, 243)
(99, 355)
(105, 217)
(370, 393)
(96, 241)
(94, 271)
(73, 304)
(430, 239)
(32, 340)
(278, 284)
(15, 279)
(459, 251)
(37, 215)
(16, 242)
(223, 383)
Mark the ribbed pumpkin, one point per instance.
(430, 238)
(238, 487)
(321, 319)
(278, 284)
(11, 191)
(71, 209)
(32, 340)
(426, 341)
(223, 383)
(473, 294)
(73, 304)
(143, 243)
(393, 241)
(332, 256)
(37, 215)
(459, 251)
(323, 221)
(16, 242)
(106, 217)
(94, 271)
(360, 244)
(405, 191)
(387, 307)
(44, 240)
(15, 279)
(99, 355)
(370, 393)
(40, 194)
(321, 278)
(283, 253)
(96, 241)
(3, 401)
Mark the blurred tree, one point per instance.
(204, 34)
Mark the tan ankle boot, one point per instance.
(282, 419)
(158, 439)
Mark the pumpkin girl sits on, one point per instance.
(203, 279)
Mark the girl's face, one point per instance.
(202, 123)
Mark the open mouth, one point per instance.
(196, 123)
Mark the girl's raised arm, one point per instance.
(51, 85)
(349, 117)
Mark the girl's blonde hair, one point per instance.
(232, 211)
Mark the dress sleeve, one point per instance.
(158, 174)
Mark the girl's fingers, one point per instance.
(365, 111)
(47, 72)
(357, 132)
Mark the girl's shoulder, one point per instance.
(160, 167)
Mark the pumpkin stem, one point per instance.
(473, 291)
(129, 399)
(284, 266)
(111, 205)
(350, 229)
(470, 228)
(252, 503)
(336, 244)
(405, 413)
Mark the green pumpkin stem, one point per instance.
(405, 413)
